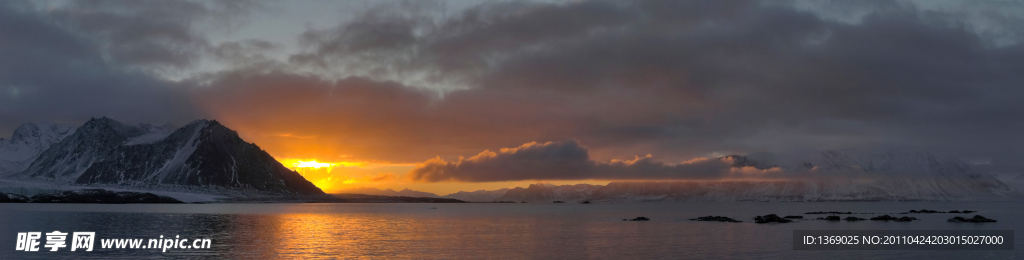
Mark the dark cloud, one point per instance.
(569, 160)
(686, 78)
(48, 72)
(247, 53)
(150, 34)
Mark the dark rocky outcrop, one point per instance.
(830, 218)
(12, 198)
(101, 196)
(794, 217)
(715, 218)
(852, 218)
(770, 218)
(558, 201)
(975, 219)
(585, 202)
(638, 219)
(926, 211)
(891, 218)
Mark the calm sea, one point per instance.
(485, 231)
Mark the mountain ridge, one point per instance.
(387, 192)
(203, 153)
(27, 142)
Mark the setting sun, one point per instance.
(335, 175)
(312, 164)
(303, 165)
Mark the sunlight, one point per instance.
(309, 165)
(313, 164)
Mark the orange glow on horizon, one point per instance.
(313, 163)
(331, 176)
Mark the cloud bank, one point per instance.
(568, 160)
(677, 79)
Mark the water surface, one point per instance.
(481, 230)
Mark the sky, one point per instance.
(443, 96)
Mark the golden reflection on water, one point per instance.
(316, 236)
(367, 235)
(398, 236)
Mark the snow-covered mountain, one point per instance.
(389, 192)
(549, 193)
(795, 190)
(28, 141)
(203, 154)
(479, 195)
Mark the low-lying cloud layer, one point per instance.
(569, 160)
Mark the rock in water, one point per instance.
(830, 218)
(638, 219)
(975, 219)
(770, 218)
(715, 218)
(891, 218)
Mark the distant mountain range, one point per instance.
(479, 195)
(201, 156)
(387, 192)
(839, 175)
(28, 141)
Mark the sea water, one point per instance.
(485, 230)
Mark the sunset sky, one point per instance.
(443, 96)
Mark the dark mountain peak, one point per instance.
(203, 154)
(106, 125)
(200, 122)
(36, 130)
(25, 131)
(99, 121)
(538, 186)
(213, 128)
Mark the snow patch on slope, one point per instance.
(152, 134)
(27, 143)
(178, 162)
